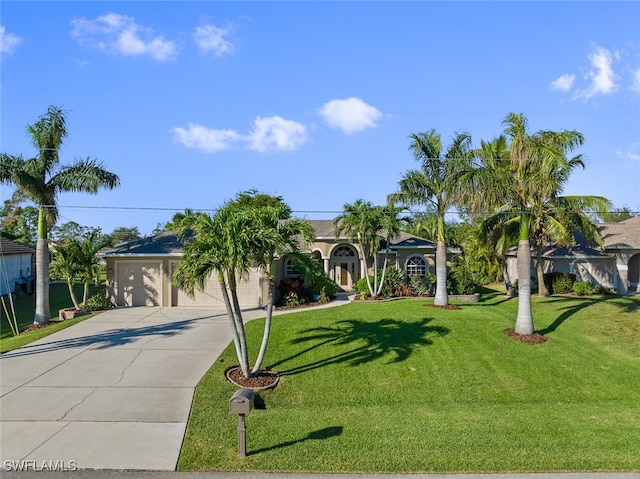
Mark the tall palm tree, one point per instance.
(435, 184)
(40, 179)
(241, 235)
(526, 195)
(364, 223)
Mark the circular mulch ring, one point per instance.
(448, 306)
(35, 327)
(264, 380)
(535, 338)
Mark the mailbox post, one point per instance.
(241, 403)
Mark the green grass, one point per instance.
(400, 387)
(24, 306)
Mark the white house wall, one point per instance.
(12, 268)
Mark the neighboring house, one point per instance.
(139, 273)
(617, 266)
(16, 267)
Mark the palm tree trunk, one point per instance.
(524, 320)
(542, 288)
(72, 294)
(366, 270)
(237, 315)
(85, 292)
(43, 312)
(267, 328)
(441, 298)
(234, 330)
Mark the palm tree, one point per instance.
(88, 261)
(64, 264)
(524, 193)
(241, 235)
(40, 180)
(362, 222)
(435, 184)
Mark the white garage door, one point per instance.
(140, 283)
(249, 295)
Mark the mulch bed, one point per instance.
(35, 327)
(264, 380)
(535, 338)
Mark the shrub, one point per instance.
(583, 288)
(559, 283)
(326, 284)
(422, 285)
(288, 286)
(460, 280)
(98, 302)
(402, 291)
(362, 288)
(604, 290)
(393, 278)
(324, 297)
(291, 299)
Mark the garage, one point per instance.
(139, 283)
(139, 274)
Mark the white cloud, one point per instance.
(8, 42)
(210, 38)
(270, 133)
(632, 154)
(117, 33)
(203, 138)
(350, 115)
(563, 83)
(602, 78)
(276, 133)
(636, 81)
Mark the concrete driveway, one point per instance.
(112, 392)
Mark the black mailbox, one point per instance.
(241, 402)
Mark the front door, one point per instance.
(343, 274)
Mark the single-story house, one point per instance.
(16, 267)
(616, 266)
(139, 273)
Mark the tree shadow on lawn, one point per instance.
(568, 311)
(324, 433)
(381, 338)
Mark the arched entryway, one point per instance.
(344, 267)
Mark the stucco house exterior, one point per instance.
(139, 273)
(617, 266)
(16, 265)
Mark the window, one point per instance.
(290, 270)
(416, 265)
(343, 251)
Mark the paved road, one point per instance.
(112, 392)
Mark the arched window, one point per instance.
(416, 265)
(343, 251)
(289, 269)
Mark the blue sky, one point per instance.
(192, 102)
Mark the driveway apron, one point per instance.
(112, 392)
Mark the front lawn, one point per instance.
(400, 387)
(25, 307)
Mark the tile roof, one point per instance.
(162, 244)
(11, 247)
(623, 234)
